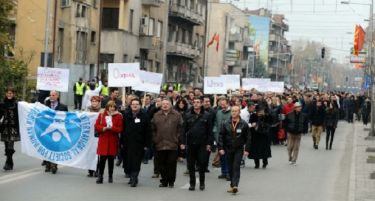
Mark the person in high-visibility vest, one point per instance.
(79, 90)
(177, 87)
(105, 90)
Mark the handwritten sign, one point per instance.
(123, 74)
(260, 84)
(214, 85)
(277, 87)
(150, 82)
(52, 79)
(232, 81)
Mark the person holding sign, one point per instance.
(108, 125)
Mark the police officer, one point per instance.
(79, 90)
(198, 137)
(105, 90)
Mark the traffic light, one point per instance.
(323, 52)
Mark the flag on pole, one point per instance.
(214, 38)
(359, 38)
(65, 138)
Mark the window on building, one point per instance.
(92, 70)
(83, 11)
(94, 3)
(131, 18)
(159, 29)
(110, 18)
(158, 67)
(93, 36)
(192, 5)
(60, 45)
(49, 59)
(106, 58)
(125, 58)
(78, 10)
(171, 32)
(151, 27)
(65, 3)
(81, 47)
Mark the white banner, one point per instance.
(232, 81)
(277, 87)
(65, 138)
(123, 74)
(52, 79)
(150, 82)
(214, 85)
(260, 84)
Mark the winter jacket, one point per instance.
(167, 129)
(221, 116)
(294, 122)
(317, 116)
(9, 128)
(197, 128)
(332, 117)
(109, 139)
(233, 139)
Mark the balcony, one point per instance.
(152, 3)
(149, 42)
(185, 14)
(183, 50)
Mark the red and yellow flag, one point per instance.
(214, 38)
(359, 38)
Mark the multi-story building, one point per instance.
(234, 52)
(72, 37)
(279, 51)
(186, 41)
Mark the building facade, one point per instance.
(235, 47)
(73, 28)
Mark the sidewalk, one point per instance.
(361, 186)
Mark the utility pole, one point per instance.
(46, 33)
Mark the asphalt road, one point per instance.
(319, 175)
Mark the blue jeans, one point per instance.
(224, 164)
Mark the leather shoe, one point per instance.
(163, 185)
(201, 187)
(192, 188)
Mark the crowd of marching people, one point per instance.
(177, 125)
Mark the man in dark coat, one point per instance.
(197, 135)
(135, 138)
(54, 103)
(366, 110)
(234, 141)
(317, 118)
(260, 126)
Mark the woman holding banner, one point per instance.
(9, 125)
(108, 125)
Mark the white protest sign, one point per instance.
(52, 79)
(260, 84)
(214, 85)
(123, 74)
(277, 87)
(232, 81)
(150, 82)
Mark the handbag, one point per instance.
(281, 134)
(96, 133)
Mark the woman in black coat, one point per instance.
(260, 148)
(331, 120)
(135, 138)
(9, 129)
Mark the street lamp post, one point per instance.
(370, 62)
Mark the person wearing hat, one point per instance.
(260, 146)
(294, 122)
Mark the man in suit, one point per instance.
(54, 103)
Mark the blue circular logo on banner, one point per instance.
(57, 131)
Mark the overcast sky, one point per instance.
(325, 21)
